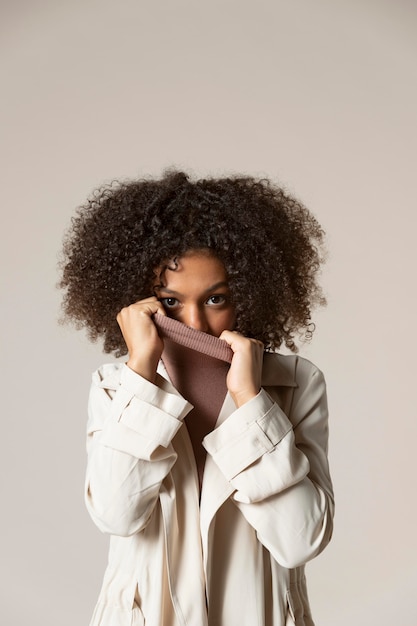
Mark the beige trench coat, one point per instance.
(266, 502)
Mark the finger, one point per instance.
(237, 339)
(148, 306)
(229, 335)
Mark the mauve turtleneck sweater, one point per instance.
(197, 364)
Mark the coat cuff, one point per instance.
(251, 431)
(143, 416)
(136, 385)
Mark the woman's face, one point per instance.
(196, 293)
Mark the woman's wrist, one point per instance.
(144, 369)
(243, 397)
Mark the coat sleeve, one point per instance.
(278, 467)
(131, 424)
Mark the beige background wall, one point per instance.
(320, 95)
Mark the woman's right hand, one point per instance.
(141, 336)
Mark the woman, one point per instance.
(207, 450)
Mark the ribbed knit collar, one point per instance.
(193, 339)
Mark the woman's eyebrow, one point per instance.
(210, 289)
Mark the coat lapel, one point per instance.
(279, 370)
(278, 373)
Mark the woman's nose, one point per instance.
(195, 318)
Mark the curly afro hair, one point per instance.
(269, 243)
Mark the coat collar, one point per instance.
(279, 370)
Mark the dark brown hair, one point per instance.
(269, 243)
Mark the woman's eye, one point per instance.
(169, 303)
(216, 300)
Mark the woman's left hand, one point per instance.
(244, 377)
